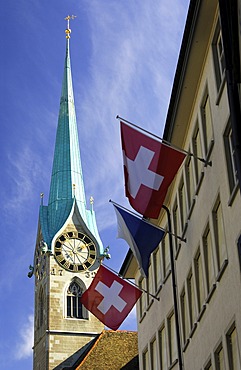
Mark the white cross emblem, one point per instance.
(111, 297)
(139, 172)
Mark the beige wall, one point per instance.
(220, 309)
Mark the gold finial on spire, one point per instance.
(68, 30)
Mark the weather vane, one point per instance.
(68, 30)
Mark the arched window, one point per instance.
(74, 308)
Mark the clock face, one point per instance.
(75, 251)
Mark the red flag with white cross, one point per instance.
(110, 298)
(149, 168)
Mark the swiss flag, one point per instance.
(149, 168)
(110, 298)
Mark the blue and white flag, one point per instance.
(141, 236)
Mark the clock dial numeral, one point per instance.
(60, 257)
(92, 256)
(87, 240)
(65, 264)
(58, 245)
(87, 264)
(58, 253)
(92, 247)
(75, 268)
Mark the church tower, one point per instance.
(68, 247)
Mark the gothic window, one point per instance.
(74, 308)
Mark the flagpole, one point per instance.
(147, 221)
(209, 163)
(131, 282)
(174, 290)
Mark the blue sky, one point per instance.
(123, 55)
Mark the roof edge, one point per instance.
(192, 14)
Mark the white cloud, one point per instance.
(25, 343)
(134, 50)
(25, 173)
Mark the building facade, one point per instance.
(68, 248)
(203, 331)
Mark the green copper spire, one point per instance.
(67, 178)
(67, 185)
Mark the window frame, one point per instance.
(184, 314)
(217, 352)
(153, 353)
(229, 347)
(208, 259)
(165, 256)
(163, 347)
(218, 228)
(207, 138)
(157, 273)
(219, 69)
(145, 359)
(230, 161)
(197, 151)
(142, 300)
(172, 339)
(199, 279)
(190, 183)
(191, 298)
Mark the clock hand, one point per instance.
(68, 254)
(68, 246)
